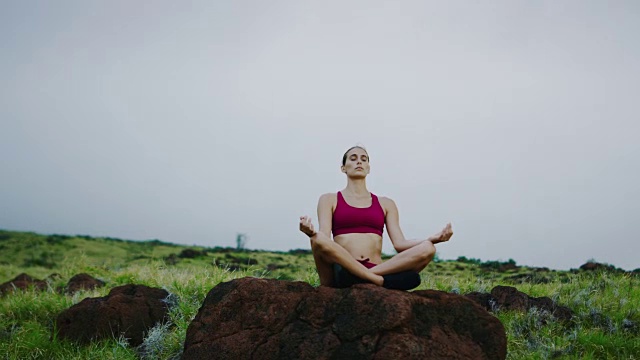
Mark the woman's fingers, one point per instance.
(305, 222)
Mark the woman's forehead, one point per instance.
(357, 151)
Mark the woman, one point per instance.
(357, 217)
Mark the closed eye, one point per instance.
(363, 157)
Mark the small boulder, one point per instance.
(128, 310)
(509, 298)
(82, 282)
(596, 266)
(253, 318)
(22, 282)
(487, 301)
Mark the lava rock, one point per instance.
(82, 282)
(253, 318)
(22, 282)
(128, 310)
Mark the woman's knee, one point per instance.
(428, 251)
(320, 244)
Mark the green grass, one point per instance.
(604, 303)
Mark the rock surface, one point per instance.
(22, 282)
(128, 310)
(253, 318)
(596, 266)
(509, 298)
(82, 281)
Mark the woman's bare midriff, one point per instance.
(362, 246)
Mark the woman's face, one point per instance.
(357, 163)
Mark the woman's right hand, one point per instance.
(306, 226)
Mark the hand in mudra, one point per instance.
(306, 226)
(444, 235)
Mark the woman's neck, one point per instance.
(357, 187)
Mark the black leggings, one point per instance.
(405, 280)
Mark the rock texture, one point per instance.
(595, 266)
(270, 319)
(509, 298)
(22, 282)
(82, 282)
(128, 310)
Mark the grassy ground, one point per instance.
(606, 304)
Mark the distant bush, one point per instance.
(156, 242)
(192, 253)
(463, 259)
(45, 259)
(219, 249)
(172, 259)
(499, 265)
(240, 260)
(299, 252)
(56, 239)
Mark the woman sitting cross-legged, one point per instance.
(356, 218)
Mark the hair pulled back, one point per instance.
(344, 157)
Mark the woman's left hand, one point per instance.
(444, 235)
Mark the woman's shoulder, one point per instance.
(331, 198)
(386, 201)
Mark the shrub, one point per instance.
(463, 259)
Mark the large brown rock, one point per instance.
(253, 318)
(82, 282)
(22, 282)
(128, 310)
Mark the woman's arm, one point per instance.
(400, 243)
(325, 213)
(392, 221)
(325, 216)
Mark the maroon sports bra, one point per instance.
(348, 219)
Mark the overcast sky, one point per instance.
(518, 121)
